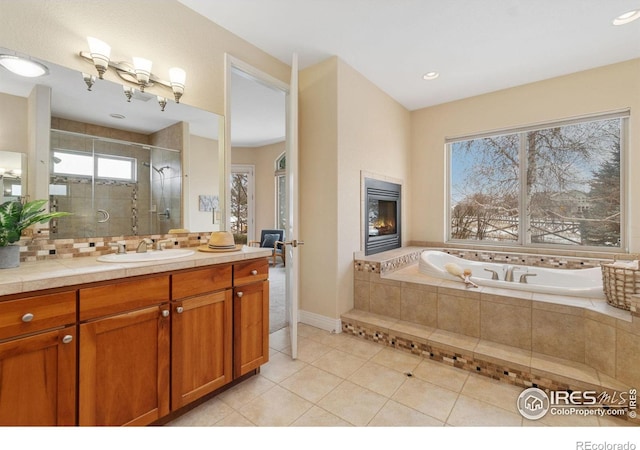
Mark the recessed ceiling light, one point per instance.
(23, 66)
(430, 75)
(116, 116)
(627, 17)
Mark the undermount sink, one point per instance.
(156, 255)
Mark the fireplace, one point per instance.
(381, 216)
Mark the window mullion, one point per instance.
(524, 231)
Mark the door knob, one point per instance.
(179, 309)
(294, 243)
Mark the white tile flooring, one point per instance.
(342, 381)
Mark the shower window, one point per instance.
(558, 184)
(85, 165)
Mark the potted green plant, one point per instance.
(14, 218)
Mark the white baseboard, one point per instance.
(318, 321)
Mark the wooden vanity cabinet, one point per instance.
(124, 353)
(38, 360)
(201, 341)
(250, 315)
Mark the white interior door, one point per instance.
(293, 262)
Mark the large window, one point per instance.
(559, 184)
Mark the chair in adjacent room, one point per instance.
(273, 239)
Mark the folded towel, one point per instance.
(626, 264)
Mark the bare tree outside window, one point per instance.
(558, 185)
(239, 206)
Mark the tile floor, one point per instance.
(342, 381)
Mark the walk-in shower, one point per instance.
(113, 187)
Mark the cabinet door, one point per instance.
(201, 346)
(124, 368)
(250, 327)
(38, 379)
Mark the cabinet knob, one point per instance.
(240, 294)
(254, 272)
(28, 317)
(67, 339)
(179, 309)
(165, 313)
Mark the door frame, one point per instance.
(230, 63)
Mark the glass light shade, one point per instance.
(177, 77)
(142, 67)
(627, 17)
(100, 53)
(22, 66)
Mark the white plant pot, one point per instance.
(9, 256)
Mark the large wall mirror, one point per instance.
(122, 166)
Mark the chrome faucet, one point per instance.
(142, 246)
(160, 244)
(121, 248)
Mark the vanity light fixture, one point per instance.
(142, 68)
(100, 53)
(89, 80)
(177, 77)
(627, 17)
(128, 92)
(162, 102)
(138, 73)
(430, 75)
(25, 67)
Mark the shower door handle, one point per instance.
(105, 215)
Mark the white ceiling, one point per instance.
(477, 46)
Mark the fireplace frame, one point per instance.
(387, 191)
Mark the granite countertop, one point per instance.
(34, 276)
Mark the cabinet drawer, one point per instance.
(194, 282)
(124, 296)
(30, 314)
(250, 272)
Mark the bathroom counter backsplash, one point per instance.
(69, 271)
(40, 248)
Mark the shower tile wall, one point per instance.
(130, 206)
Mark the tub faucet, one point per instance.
(523, 277)
(508, 276)
(142, 246)
(494, 274)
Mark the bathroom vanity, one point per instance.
(88, 343)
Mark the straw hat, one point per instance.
(220, 241)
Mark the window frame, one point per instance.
(96, 157)
(523, 237)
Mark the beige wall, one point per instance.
(603, 89)
(318, 187)
(204, 179)
(164, 31)
(347, 126)
(13, 123)
(263, 158)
